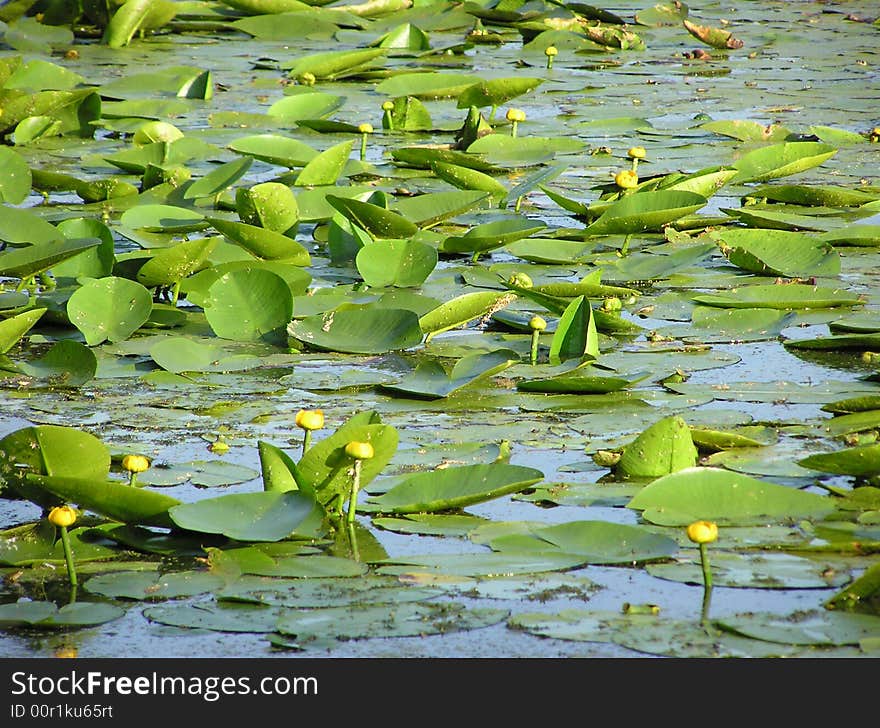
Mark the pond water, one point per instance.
(804, 65)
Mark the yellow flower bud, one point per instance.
(365, 128)
(637, 153)
(626, 179)
(135, 463)
(387, 106)
(62, 516)
(537, 323)
(307, 79)
(516, 115)
(359, 450)
(550, 51)
(702, 532)
(520, 280)
(310, 419)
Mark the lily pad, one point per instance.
(455, 487)
(702, 493)
(266, 516)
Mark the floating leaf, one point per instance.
(262, 243)
(316, 105)
(14, 327)
(40, 257)
(248, 305)
(331, 65)
(575, 336)
(665, 447)
(377, 221)
(792, 296)
(66, 364)
(218, 179)
(109, 309)
(780, 160)
(727, 498)
(264, 516)
(862, 461)
(401, 263)
(46, 615)
(455, 487)
(496, 91)
(327, 167)
(779, 253)
(362, 330)
(715, 37)
(461, 309)
(645, 211)
(754, 571)
(170, 265)
(269, 205)
(599, 542)
(112, 499)
(811, 628)
(147, 586)
(430, 380)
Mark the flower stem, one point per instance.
(707, 585)
(355, 487)
(624, 250)
(307, 440)
(533, 356)
(68, 555)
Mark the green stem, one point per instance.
(513, 125)
(68, 555)
(352, 540)
(355, 487)
(307, 440)
(175, 293)
(132, 478)
(533, 358)
(625, 249)
(707, 585)
(363, 147)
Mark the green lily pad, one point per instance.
(65, 364)
(261, 242)
(50, 450)
(46, 615)
(455, 487)
(645, 211)
(170, 265)
(401, 263)
(315, 105)
(780, 160)
(460, 310)
(754, 571)
(599, 542)
(12, 329)
(359, 330)
(481, 564)
(138, 585)
(430, 380)
(275, 149)
(40, 257)
(862, 461)
(110, 498)
(825, 628)
(703, 493)
(406, 620)
(109, 309)
(249, 305)
(791, 296)
(779, 253)
(265, 516)
(665, 447)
